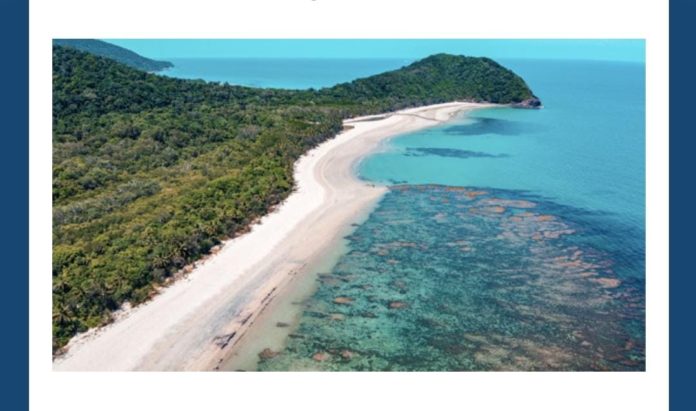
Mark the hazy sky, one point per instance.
(617, 50)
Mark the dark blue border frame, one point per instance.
(14, 112)
(682, 147)
(14, 167)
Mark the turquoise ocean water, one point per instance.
(510, 239)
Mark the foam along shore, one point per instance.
(195, 322)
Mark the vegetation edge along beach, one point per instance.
(151, 173)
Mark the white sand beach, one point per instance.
(195, 322)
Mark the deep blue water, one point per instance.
(510, 240)
(301, 73)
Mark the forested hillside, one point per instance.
(150, 172)
(114, 52)
(438, 78)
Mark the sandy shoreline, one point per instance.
(194, 323)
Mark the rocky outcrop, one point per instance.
(343, 300)
(267, 354)
(528, 103)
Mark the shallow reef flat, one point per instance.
(446, 278)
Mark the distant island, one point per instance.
(114, 52)
(150, 173)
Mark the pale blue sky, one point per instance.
(616, 50)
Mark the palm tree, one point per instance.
(61, 314)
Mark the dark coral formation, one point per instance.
(449, 152)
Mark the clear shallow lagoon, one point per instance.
(538, 264)
(444, 278)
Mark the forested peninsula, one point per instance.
(150, 172)
(114, 52)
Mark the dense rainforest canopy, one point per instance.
(150, 172)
